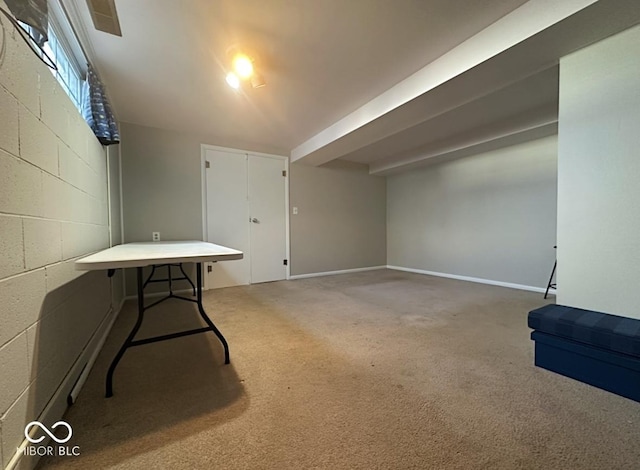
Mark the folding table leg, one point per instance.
(141, 309)
(188, 279)
(204, 315)
(129, 339)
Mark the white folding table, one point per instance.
(140, 255)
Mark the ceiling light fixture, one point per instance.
(233, 81)
(243, 66)
(243, 69)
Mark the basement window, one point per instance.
(65, 52)
(69, 73)
(63, 47)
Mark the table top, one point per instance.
(133, 255)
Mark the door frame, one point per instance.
(203, 178)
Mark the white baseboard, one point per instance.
(332, 273)
(475, 279)
(97, 347)
(71, 383)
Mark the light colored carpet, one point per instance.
(374, 370)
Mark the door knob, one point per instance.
(254, 220)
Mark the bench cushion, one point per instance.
(603, 330)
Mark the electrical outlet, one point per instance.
(155, 236)
(295, 211)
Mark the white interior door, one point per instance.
(267, 218)
(228, 215)
(246, 210)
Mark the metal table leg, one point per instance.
(204, 315)
(129, 339)
(129, 342)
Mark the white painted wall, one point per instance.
(341, 218)
(599, 177)
(53, 209)
(161, 190)
(490, 216)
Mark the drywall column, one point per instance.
(599, 177)
(115, 220)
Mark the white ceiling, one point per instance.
(331, 65)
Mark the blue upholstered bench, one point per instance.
(596, 348)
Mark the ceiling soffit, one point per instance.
(383, 135)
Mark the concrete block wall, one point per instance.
(54, 208)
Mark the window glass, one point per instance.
(70, 73)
